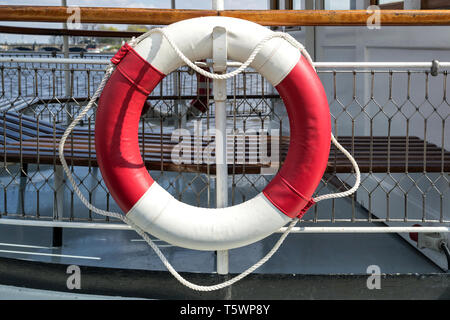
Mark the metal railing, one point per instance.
(368, 101)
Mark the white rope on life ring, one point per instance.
(152, 209)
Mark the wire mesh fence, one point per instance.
(395, 123)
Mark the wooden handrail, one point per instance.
(69, 32)
(100, 14)
(342, 17)
(264, 17)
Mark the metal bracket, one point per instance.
(219, 61)
(431, 241)
(434, 68)
(219, 49)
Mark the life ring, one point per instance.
(152, 208)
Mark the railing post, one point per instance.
(22, 187)
(58, 205)
(310, 32)
(220, 96)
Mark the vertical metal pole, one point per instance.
(218, 5)
(220, 96)
(66, 54)
(310, 32)
(66, 72)
(176, 91)
(178, 123)
(273, 5)
(58, 205)
(22, 187)
(288, 4)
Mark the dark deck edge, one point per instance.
(162, 285)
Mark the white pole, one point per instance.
(220, 96)
(218, 5)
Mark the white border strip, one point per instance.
(236, 64)
(121, 226)
(49, 254)
(6, 244)
(65, 224)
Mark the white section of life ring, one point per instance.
(178, 223)
(193, 37)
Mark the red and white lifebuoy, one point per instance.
(150, 206)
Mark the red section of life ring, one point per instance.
(310, 125)
(117, 123)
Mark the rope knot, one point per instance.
(120, 54)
